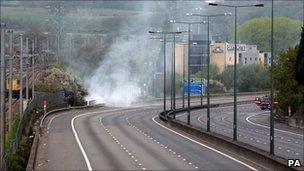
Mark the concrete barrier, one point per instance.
(238, 148)
(33, 155)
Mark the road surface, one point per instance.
(125, 139)
(288, 143)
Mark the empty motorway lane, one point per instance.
(125, 139)
(288, 144)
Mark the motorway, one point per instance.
(288, 143)
(130, 138)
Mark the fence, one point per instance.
(54, 100)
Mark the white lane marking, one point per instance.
(76, 135)
(248, 117)
(50, 122)
(204, 145)
(80, 146)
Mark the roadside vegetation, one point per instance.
(290, 79)
(257, 32)
(253, 77)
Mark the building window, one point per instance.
(240, 55)
(250, 58)
(245, 59)
(230, 59)
(256, 59)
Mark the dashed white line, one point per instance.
(226, 155)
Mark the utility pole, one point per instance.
(2, 100)
(21, 73)
(33, 70)
(10, 92)
(48, 50)
(26, 71)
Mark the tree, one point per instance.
(299, 76)
(226, 77)
(254, 77)
(257, 31)
(214, 72)
(290, 92)
(299, 69)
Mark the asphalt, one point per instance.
(124, 139)
(288, 142)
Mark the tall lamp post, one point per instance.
(189, 25)
(271, 147)
(173, 93)
(164, 33)
(235, 61)
(2, 98)
(208, 60)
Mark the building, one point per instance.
(250, 55)
(222, 55)
(181, 57)
(265, 58)
(198, 54)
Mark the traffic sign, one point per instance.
(195, 88)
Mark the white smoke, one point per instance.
(112, 82)
(115, 83)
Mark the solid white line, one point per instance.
(80, 146)
(77, 139)
(248, 117)
(204, 145)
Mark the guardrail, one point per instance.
(214, 95)
(33, 156)
(170, 114)
(239, 148)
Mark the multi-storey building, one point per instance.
(222, 55)
(198, 54)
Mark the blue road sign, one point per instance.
(195, 88)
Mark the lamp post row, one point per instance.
(164, 33)
(235, 62)
(234, 73)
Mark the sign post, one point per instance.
(44, 106)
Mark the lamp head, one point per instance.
(213, 4)
(227, 14)
(259, 5)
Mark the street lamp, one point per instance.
(164, 33)
(189, 24)
(235, 52)
(2, 96)
(173, 93)
(271, 134)
(208, 60)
